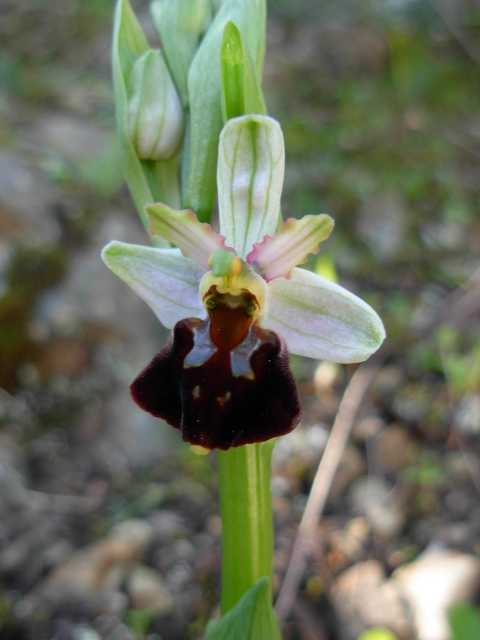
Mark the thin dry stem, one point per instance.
(322, 482)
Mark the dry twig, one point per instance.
(322, 482)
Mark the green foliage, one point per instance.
(139, 621)
(252, 618)
(460, 360)
(378, 633)
(464, 622)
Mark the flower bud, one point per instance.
(155, 114)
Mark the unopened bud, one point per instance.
(155, 114)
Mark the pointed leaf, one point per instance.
(252, 618)
(251, 165)
(204, 90)
(320, 319)
(276, 256)
(464, 621)
(147, 180)
(180, 25)
(195, 239)
(241, 91)
(166, 280)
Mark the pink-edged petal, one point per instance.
(166, 280)
(251, 163)
(195, 239)
(276, 256)
(320, 319)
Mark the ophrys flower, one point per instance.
(236, 301)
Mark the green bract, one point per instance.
(204, 90)
(252, 618)
(241, 90)
(148, 180)
(155, 115)
(180, 25)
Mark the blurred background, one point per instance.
(109, 526)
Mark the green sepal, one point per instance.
(147, 180)
(180, 25)
(252, 618)
(241, 90)
(204, 90)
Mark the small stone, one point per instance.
(146, 591)
(344, 543)
(362, 595)
(467, 415)
(85, 632)
(167, 525)
(375, 498)
(214, 524)
(325, 376)
(433, 584)
(358, 529)
(100, 564)
(352, 465)
(183, 550)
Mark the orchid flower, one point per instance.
(237, 303)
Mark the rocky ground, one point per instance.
(109, 526)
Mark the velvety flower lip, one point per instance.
(237, 301)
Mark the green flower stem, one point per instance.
(162, 177)
(247, 520)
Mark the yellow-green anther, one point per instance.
(225, 263)
(155, 114)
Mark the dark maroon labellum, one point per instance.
(224, 381)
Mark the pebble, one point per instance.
(146, 591)
(364, 598)
(101, 564)
(374, 497)
(325, 376)
(433, 584)
(85, 632)
(467, 415)
(167, 525)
